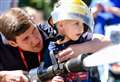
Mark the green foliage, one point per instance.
(44, 5)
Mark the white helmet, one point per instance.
(72, 9)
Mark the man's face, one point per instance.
(72, 29)
(31, 40)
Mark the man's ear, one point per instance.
(12, 43)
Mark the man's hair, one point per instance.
(14, 22)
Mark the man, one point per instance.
(24, 47)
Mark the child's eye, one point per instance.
(77, 23)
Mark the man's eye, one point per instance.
(25, 38)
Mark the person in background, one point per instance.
(6, 5)
(102, 17)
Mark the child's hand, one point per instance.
(65, 54)
(57, 79)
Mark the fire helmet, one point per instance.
(72, 10)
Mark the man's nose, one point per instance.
(35, 40)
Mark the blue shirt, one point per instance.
(104, 18)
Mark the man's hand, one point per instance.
(13, 76)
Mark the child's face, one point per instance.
(72, 29)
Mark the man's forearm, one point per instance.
(90, 46)
(83, 48)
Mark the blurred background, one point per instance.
(42, 5)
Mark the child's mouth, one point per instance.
(78, 34)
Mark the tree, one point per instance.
(45, 5)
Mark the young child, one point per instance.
(74, 23)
